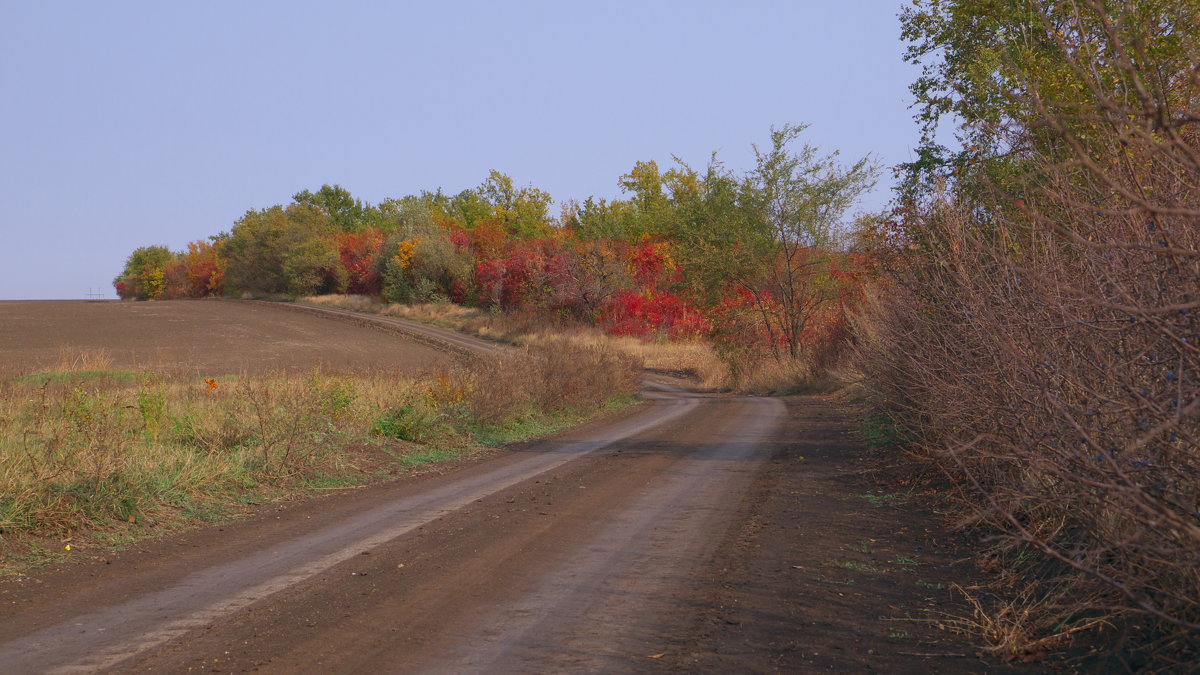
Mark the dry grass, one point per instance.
(75, 360)
(694, 358)
(84, 448)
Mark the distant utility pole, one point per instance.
(97, 295)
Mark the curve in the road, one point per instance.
(582, 612)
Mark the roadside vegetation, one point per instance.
(694, 359)
(1038, 340)
(88, 449)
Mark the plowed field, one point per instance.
(202, 337)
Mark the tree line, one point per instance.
(764, 260)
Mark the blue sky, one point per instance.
(125, 124)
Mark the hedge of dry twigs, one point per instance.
(1042, 344)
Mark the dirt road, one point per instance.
(565, 554)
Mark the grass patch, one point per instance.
(53, 377)
(320, 480)
(858, 567)
(880, 501)
(430, 456)
(881, 431)
(85, 450)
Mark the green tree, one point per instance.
(313, 267)
(773, 233)
(525, 212)
(346, 212)
(997, 70)
(259, 244)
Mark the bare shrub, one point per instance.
(1043, 346)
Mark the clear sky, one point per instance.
(124, 124)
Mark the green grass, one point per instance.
(881, 431)
(858, 567)
(431, 455)
(863, 546)
(76, 376)
(321, 480)
(880, 501)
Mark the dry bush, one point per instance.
(1044, 348)
(555, 375)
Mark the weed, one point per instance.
(321, 480)
(56, 377)
(428, 456)
(153, 409)
(858, 567)
(934, 586)
(863, 546)
(879, 501)
(412, 422)
(880, 431)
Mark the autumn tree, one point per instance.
(144, 276)
(772, 235)
(205, 268)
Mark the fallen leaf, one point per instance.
(656, 656)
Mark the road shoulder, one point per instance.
(838, 567)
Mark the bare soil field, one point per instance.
(199, 336)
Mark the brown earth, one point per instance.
(198, 337)
(697, 532)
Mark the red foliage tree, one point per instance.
(359, 252)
